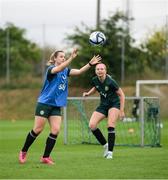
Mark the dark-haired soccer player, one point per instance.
(53, 96)
(112, 100)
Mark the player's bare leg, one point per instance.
(94, 121)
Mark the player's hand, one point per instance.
(74, 53)
(85, 94)
(95, 60)
(122, 115)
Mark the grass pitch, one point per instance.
(78, 161)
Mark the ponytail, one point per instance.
(51, 61)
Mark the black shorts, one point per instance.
(45, 110)
(104, 108)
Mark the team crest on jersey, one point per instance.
(42, 112)
(106, 88)
(103, 94)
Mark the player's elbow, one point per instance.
(78, 72)
(75, 72)
(121, 93)
(56, 69)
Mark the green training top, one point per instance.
(107, 90)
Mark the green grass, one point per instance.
(78, 132)
(78, 161)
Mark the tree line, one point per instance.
(125, 61)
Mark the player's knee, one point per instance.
(92, 126)
(38, 130)
(55, 130)
(111, 124)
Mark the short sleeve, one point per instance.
(115, 85)
(92, 82)
(49, 74)
(68, 72)
(49, 70)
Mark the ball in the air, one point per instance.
(97, 38)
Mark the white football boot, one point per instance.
(109, 155)
(105, 150)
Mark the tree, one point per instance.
(111, 52)
(23, 53)
(156, 50)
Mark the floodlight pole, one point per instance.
(166, 46)
(98, 15)
(123, 40)
(123, 60)
(43, 51)
(7, 56)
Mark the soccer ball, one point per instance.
(97, 38)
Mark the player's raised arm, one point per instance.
(95, 60)
(60, 61)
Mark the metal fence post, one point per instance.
(142, 120)
(65, 125)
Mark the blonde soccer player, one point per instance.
(52, 98)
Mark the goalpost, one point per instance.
(157, 88)
(139, 128)
(140, 82)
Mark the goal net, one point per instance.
(140, 127)
(156, 88)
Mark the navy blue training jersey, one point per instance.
(106, 89)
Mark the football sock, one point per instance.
(29, 140)
(99, 136)
(51, 140)
(111, 138)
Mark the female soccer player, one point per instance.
(53, 96)
(112, 101)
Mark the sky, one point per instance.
(47, 22)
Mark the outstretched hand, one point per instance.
(74, 53)
(85, 94)
(95, 60)
(122, 115)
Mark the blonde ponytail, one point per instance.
(51, 61)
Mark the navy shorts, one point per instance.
(45, 110)
(104, 108)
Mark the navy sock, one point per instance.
(29, 140)
(111, 138)
(51, 140)
(99, 136)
